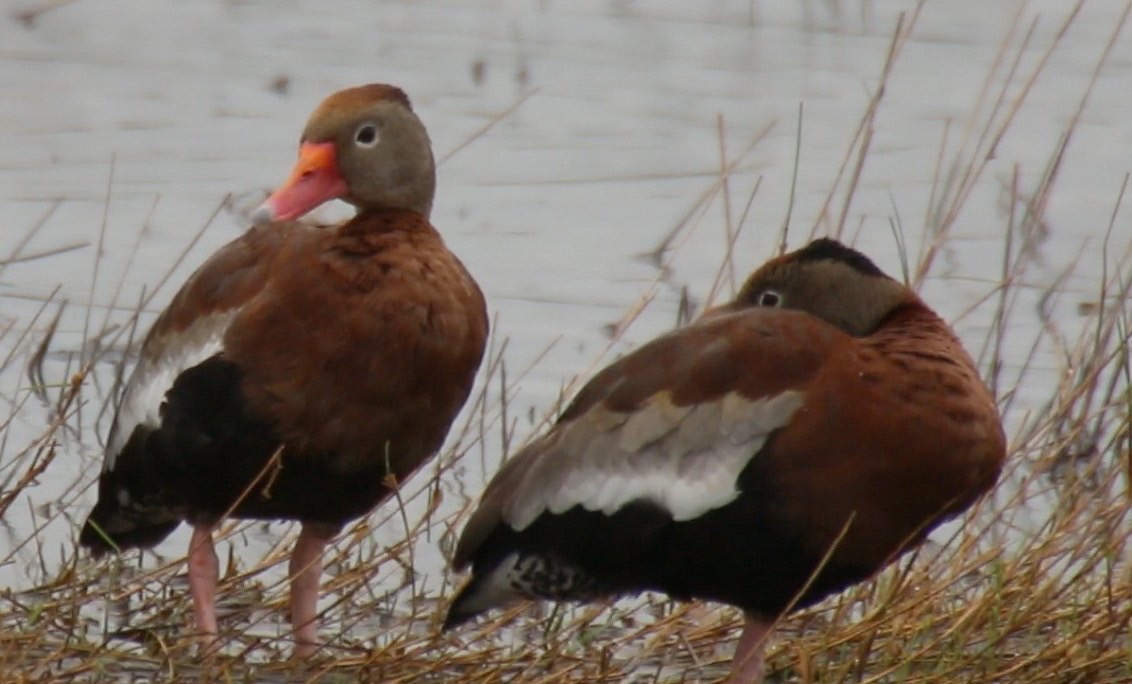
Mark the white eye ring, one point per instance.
(769, 298)
(366, 136)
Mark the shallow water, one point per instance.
(126, 123)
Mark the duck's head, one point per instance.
(363, 145)
(829, 280)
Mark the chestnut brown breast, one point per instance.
(368, 346)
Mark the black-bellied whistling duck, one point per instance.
(302, 369)
(826, 410)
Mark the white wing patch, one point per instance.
(159, 366)
(685, 459)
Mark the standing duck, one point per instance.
(781, 448)
(303, 370)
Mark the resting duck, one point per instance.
(303, 369)
(826, 410)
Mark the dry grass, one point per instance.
(1035, 585)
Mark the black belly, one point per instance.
(742, 555)
(211, 457)
(739, 554)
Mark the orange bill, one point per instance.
(314, 180)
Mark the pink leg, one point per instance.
(306, 573)
(204, 570)
(747, 666)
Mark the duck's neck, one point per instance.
(377, 221)
(366, 214)
(418, 203)
(915, 329)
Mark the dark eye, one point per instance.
(366, 135)
(769, 298)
